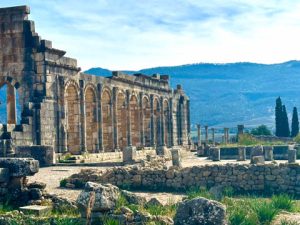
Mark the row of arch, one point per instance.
(115, 121)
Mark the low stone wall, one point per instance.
(280, 152)
(243, 177)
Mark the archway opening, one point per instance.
(107, 127)
(135, 121)
(156, 125)
(73, 118)
(147, 121)
(122, 120)
(10, 109)
(91, 120)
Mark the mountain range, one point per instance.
(232, 93)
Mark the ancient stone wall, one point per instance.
(243, 177)
(78, 113)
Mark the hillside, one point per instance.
(234, 93)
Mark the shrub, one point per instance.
(282, 202)
(63, 182)
(199, 192)
(261, 130)
(247, 139)
(242, 216)
(265, 211)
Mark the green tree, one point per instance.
(295, 123)
(261, 130)
(278, 118)
(285, 123)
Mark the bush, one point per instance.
(63, 183)
(242, 216)
(282, 202)
(199, 192)
(247, 139)
(261, 130)
(265, 211)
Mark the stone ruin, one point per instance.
(64, 110)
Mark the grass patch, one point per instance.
(199, 192)
(283, 202)
(265, 211)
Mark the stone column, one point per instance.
(268, 152)
(242, 154)
(162, 149)
(213, 135)
(152, 142)
(82, 117)
(206, 135)
(115, 119)
(215, 154)
(129, 141)
(142, 126)
(99, 104)
(199, 134)
(226, 135)
(11, 104)
(256, 152)
(129, 154)
(240, 129)
(176, 157)
(292, 155)
(171, 123)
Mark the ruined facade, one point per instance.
(75, 112)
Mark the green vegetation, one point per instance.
(283, 202)
(261, 130)
(199, 192)
(281, 120)
(286, 222)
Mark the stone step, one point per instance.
(37, 210)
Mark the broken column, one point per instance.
(129, 154)
(206, 135)
(240, 129)
(268, 152)
(241, 154)
(213, 135)
(176, 157)
(292, 155)
(199, 135)
(215, 154)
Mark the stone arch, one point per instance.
(107, 128)
(146, 109)
(166, 125)
(156, 120)
(91, 119)
(72, 112)
(122, 120)
(135, 121)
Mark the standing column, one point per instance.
(171, 123)
(225, 136)
(115, 119)
(11, 104)
(206, 135)
(152, 141)
(213, 135)
(240, 129)
(199, 134)
(162, 123)
(99, 105)
(129, 141)
(82, 117)
(142, 126)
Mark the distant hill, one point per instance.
(233, 93)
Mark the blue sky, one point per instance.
(136, 34)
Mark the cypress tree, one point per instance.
(285, 123)
(295, 123)
(278, 118)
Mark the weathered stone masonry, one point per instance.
(75, 112)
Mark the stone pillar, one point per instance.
(129, 154)
(206, 135)
(82, 117)
(171, 123)
(215, 154)
(142, 126)
(152, 142)
(199, 135)
(11, 104)
(225, 139)
(129, 141)
(226, 135)
(176, 157)
(240, 129)
(213, 135)
(256, 151)
(162, 149)
(99, 105)
(292, 155)
(242, 154)
(115, 119)
(268, 152)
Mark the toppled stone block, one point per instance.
(20, 167)
(257, 160)
(215, 154)
(256, 151)
(268, 152)
(241, 154)
(4, 175)
(200, 211)
(37, 210)
(176, 157)
(129, 154)
(292, 155)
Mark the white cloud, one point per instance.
(118, 34)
